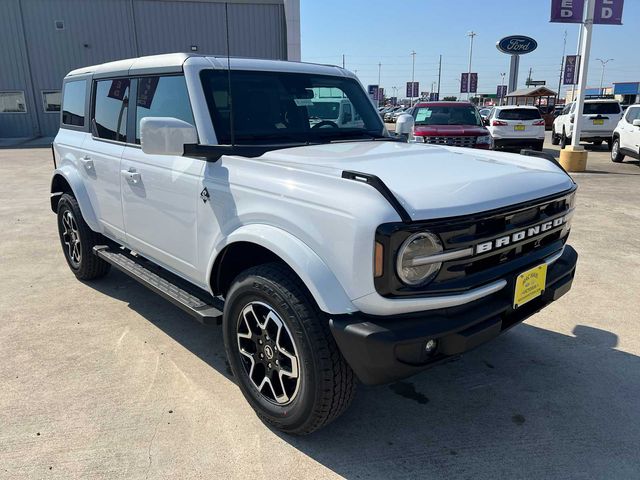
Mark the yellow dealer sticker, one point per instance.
(530, 285)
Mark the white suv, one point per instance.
(626, 136)
(330, 251)
(600, 117)
(518, 127)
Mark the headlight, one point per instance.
(484, 140)
(413, 265)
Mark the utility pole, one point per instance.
(604, 63)
(413, 75)
(564, 51)
(343, 60)
(504, 74)
(379, 72)
(439, 75)
(470, 34)
(529, 79)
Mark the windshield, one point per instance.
(603, 108)
(447, 115)
(283, 107)
(519, 114)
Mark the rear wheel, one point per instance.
(78, 240)
(616, 156)
(282, 352)
(597, 143)
(555, 139)
(610, 144)
(564, 140)
(539, 146)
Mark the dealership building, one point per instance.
(42, 40)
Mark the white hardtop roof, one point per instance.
(175, 62)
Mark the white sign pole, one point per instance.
(587, 28)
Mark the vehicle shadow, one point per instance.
(531, 404)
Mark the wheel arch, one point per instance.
(67, 180)
(253, 245)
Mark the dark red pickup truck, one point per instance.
(457, 124)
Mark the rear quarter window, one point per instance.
(73, 103)
(519, 114)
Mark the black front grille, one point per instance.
(465, 141)
(469, 231)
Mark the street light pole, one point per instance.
(604, 64)
(379, 72)
(470, 34)
(413, 75)
(564, 51)
(502, 86)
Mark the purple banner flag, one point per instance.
(464, 83)
(567, 11)
(473, 83)
(501, 91)
(608, 12)
(571, 69)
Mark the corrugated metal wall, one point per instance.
(14, 74)
(97, 31)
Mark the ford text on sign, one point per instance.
(517, 45)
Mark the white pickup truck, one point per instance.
(330, 252)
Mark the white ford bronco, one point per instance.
(331, 252)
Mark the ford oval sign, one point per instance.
(517, 45)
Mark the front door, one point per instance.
(160, 193)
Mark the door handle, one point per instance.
(131, 176)
(87, 162)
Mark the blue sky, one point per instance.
(369, 32)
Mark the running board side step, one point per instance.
(177, 291)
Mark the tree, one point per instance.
(450, 99)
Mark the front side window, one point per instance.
(519, 114)
(110, 111)
(51, 101)
(12, 102)
(447, 115)
(162, 97)
(284, 107)
(633, 113)
(73, 103)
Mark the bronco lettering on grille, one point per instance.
(519, 235)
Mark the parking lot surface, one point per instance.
(108, 380)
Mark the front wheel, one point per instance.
(282, 352)
(564, 140)
(78, 240)
(616, 156)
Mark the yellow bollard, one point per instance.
(573, 159)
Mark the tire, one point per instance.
(325, 384)
(597, 143)
(539, 146)
(555, 139)
(77, 241)
(564, 140)
(616, 156)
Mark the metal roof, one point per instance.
(533, 92)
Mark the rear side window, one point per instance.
(162, 97)
(519, 114)
(73, 103)
(110, 111)
(605, 108)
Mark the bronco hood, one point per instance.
(435, 181)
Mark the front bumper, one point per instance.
(386, 349)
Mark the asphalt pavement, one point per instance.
(105, 379)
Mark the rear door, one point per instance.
(600, 118)
(630, 137)
(103, 150)
(518, 123)
(160, 193)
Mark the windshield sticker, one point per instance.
(303, 102)
(423, 115)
